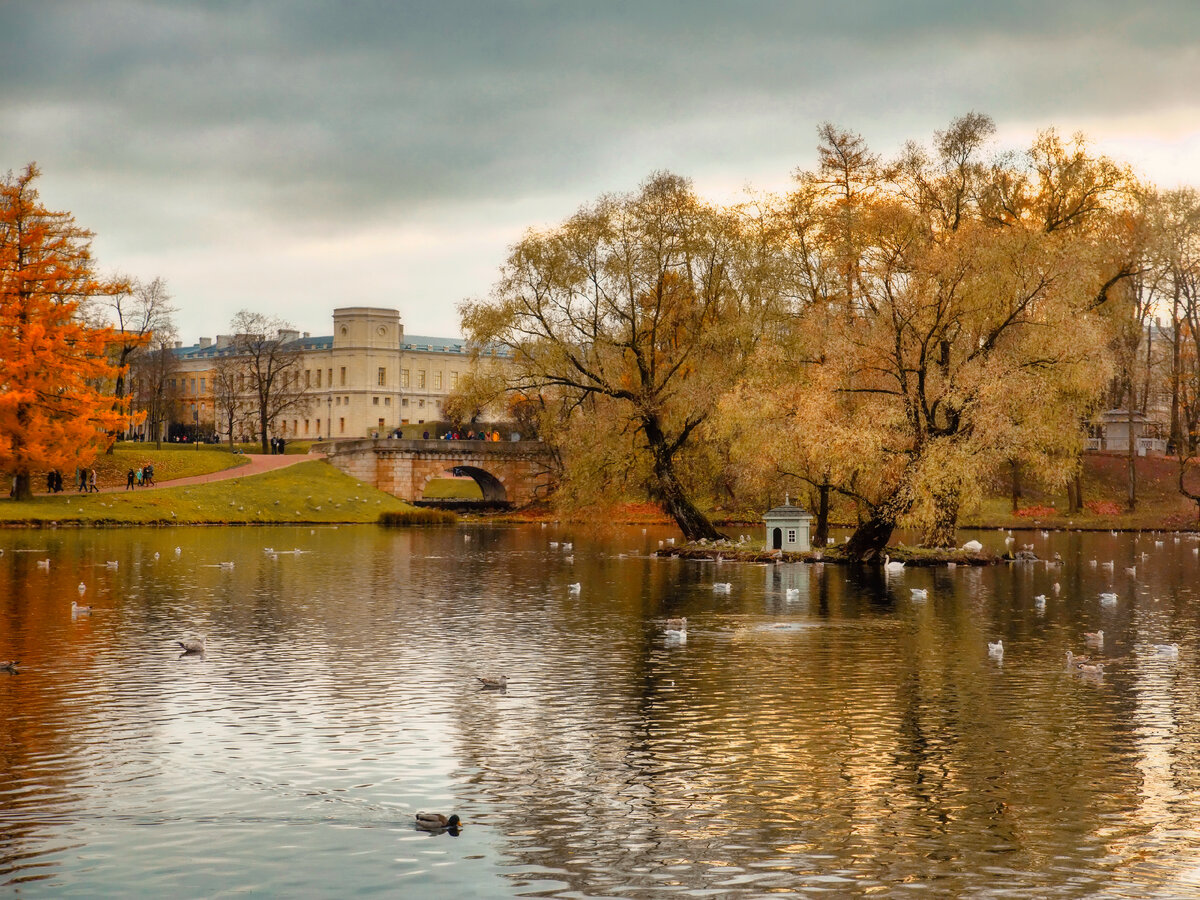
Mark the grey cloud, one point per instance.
(179, 124)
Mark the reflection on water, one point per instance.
(820, 729)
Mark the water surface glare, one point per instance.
(821, 730)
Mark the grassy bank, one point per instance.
(306, 492)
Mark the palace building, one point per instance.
(367, 378)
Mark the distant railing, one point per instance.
(1095, 443)
(1151, 445)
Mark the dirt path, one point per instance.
(259, 463)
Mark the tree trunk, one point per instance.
(872, 536)
(23, 487)
(1016, 485)
(820, 537)
(693, 523)
(1131, 459)
(262, 420)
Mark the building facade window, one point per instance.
(382, 380)
(318, 382)
(791, 535)
(403, 378)
(437, 381)
(387, 401)
(374, 401)
(453, 379)
(308, 378)
(343, 376)
(341, 426)
(421, 378)
(306, 426)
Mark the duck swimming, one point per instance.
(437, 822)
(494, 684)
(192, 644)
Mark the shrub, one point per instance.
(417, 517)
(1037, 512)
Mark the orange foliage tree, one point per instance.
(54, 367)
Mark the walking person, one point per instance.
(92, 489)
(129, 477)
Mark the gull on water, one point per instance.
(1095, 638)
(677, 629)
(82, 588)
(996, 649)
(575, 588)
(722, 587)
(1108, 598)
(77, 610)
(919, 593)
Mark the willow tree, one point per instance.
(969, 331)
(54, 411)
(639, 312)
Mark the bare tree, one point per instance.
(272, 359)
(152, 372)
(234, 408)
(137, 314)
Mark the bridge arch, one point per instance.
(490, 486)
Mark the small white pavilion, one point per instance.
(788, 528)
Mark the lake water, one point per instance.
(819, 731)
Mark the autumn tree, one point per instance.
(272, 360)
(963, 331)
(637, 312)
(53, 412)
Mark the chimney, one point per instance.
(307, 335)
(205, 342)
(224, 340)
(179, 345)
(288, 335)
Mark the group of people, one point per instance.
(278, 445)
(85, 481)
(139, 477)
(471, 435)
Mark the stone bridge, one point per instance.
(515, 472)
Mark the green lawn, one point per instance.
(306, 492)
(452, 489)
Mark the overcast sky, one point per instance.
(291, 157)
